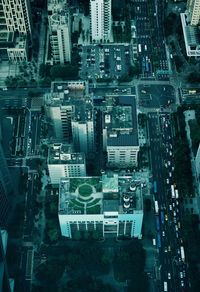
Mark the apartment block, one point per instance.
(100, 20)
(108, 205)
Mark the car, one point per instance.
(170, 174)
(181, 275)
(170, 207)
(174, 213)
(176, 227)
(167, 181)
(169, 276)
(163, 233)
(166, 250)
(169, 162)
(170, 153)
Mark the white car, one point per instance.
(167, 181)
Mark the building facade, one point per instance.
(107, 205)
(193, 7)
(62, 162)
(100, 20)
(15, 30)
(59, 31)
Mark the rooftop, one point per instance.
(62, 154)
(85, 195)
(120, 120)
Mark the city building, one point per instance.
(5, 189)
(6, 284)
(190, 21)
(59, 31)
(100, 20)
(71, 111)
(120, 131)
(193, 7)
(15, 30)
(83, 127)
(62, 162)
(107, 206)
(17, 16)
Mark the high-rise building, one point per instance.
(71, 111)
(109, 206)
(63, 162)
(120, 132)
(15, 27)
(83, 127)
(17, 16)
(59, 31)
(100, 20)
(193, 7)
(6, 284)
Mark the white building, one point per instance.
(15, 27)
(107, 205)
(100, 20)
(62, 162)
(59, 31)
(18, 53)
(193, 7)
(190, 21)
(120, 132)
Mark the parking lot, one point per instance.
(104, 61)
(156, 96)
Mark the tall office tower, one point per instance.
(83, 127)
(63, 162)
(63, 97)
(193, 7)
(15, 26)
(17, 15)
(6, 284)
(100, 20)
(59, 30)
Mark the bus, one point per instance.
(155, 187)
(182, 254)
(165, 286)
(162, 217)
(156, 207)
(157, 223)
(176, 194)
(158, 240)
(173, 192)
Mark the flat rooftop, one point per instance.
(63, 154)
(120, 120)
(85, 195)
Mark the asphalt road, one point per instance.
(156, 96)
(172, 267)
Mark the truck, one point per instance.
(173, 192)
(165, 287)
(157, 223)
(162, 217)
(182, 254)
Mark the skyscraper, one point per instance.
(17, 15)
(15, 26)
(59, 29)
(193, 7)
(100, 20)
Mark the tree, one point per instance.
(65, 72)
